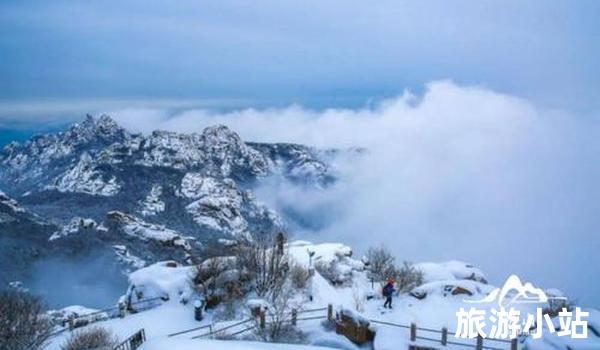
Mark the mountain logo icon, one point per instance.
(514, 292)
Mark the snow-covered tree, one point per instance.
(23, 326)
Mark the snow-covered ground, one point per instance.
(183, 344)
(437, 309)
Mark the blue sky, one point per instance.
(263, 53)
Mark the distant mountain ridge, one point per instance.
(97, 189)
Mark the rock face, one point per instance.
(85, 178)
(140, 199)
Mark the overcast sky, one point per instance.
(59, 59)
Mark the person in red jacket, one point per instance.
(388, 292)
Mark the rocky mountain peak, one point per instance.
(102, 128)
(90, 135)
(220, 135)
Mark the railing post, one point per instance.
(413, 332)
(198, 310)
(444, 336)
(262, 320)
(479, 345)
(122, 308)
(294, 316)
(513, 344)
(329, 312)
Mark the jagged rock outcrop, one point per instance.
(140, 230)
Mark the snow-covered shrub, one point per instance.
(23, 326)
(214, 274)
(380, 264)
(265, 265)
(408, 278)
(232, 293)
(359, 298)
(299, 276)
(96, 338)
(277, 325)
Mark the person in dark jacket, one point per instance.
(388, 292)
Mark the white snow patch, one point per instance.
(152, 204)
(124, 256)
(73, 227)
(140, 229)
(11, 203)
(194, 344)
(84, 178)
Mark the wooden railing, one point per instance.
(254, 322)
(133, 342)
(493, 343)
(423, 334)
(106, 314)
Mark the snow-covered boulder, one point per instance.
(327, 252)
(450, 270)
(464, 289)
(167, 280)
(353, 326)
(332, 260)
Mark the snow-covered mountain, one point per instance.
(97, 189)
